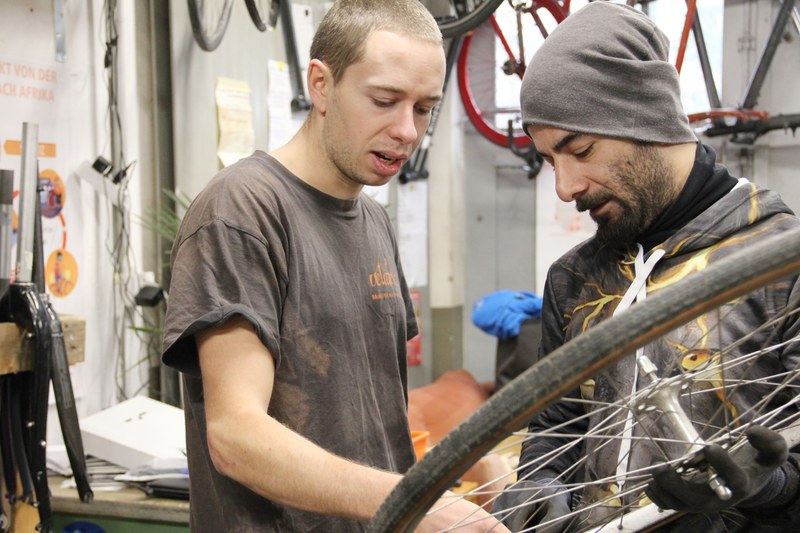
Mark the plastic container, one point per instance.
(420, 441)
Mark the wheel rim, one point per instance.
(481, 81)
(584, 357)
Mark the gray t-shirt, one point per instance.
(319, 279)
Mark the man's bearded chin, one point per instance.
(621, 230)
(607, 228)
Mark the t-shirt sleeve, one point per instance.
(217, 272)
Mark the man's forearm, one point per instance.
(282, 466)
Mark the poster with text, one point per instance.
(36, 94)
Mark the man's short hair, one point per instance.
(339, 40)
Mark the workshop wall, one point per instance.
(482, 206)
(242, 55)
(774, 159)
(62, 46)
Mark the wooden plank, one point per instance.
(16, 349)
(127, 503)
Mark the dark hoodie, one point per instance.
(714, 216)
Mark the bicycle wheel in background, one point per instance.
(263, 13)
(491, 65)
(209, 19)
(457, 17)
(709, 294)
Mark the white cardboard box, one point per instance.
(135, 432)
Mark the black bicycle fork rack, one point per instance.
(24, 395)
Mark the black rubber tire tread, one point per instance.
(568, 366)
(459, 26)
(206, 36)
(256, 16)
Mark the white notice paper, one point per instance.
(235, 120)
(412, 231)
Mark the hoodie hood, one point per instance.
(746, 208)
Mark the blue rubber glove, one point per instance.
(501, 313)
(525, 504)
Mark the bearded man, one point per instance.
(602, 105)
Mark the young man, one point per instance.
(289, 314)
(602, 104)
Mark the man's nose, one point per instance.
(404, 127)
(569, 182)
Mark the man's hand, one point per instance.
(452, 510)
(527, 503)
(746, 472)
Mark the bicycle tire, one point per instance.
(461, 23)
(262, 18)
(477, 74)
(567, 367)
(207, 30)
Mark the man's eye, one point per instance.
(383, 103)
(584, 153)
(424, 111)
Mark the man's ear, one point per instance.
(319, 81)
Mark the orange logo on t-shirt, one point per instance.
(385, 280)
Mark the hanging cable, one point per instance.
(127, 316)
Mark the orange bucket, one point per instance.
(420, 441)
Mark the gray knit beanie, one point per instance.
(605, 70)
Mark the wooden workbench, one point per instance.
(129, 505)
(16, 350)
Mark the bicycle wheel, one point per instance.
(714, 290)
(491, 65)
(209, 19)
(464, 15)
(263, 13)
